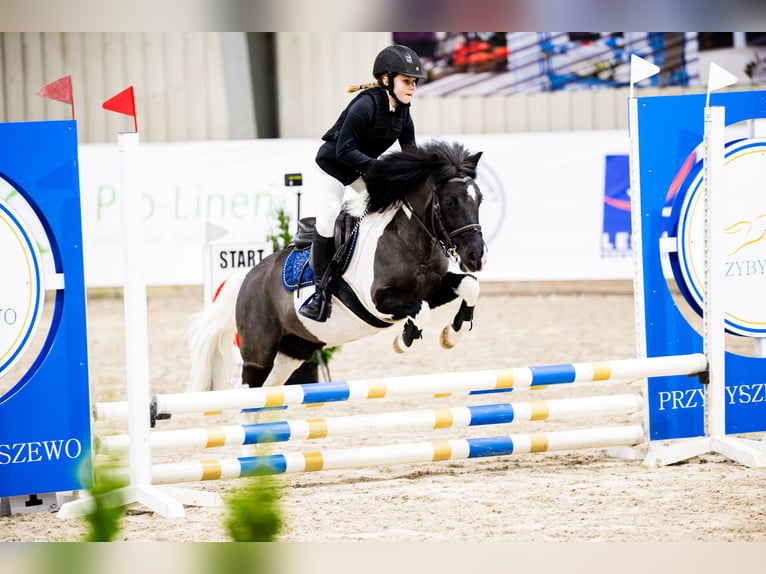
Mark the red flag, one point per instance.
(123, 103)
(59, 90)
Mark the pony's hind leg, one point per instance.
(254, 375)
(274, 375)
(258, 356)
(284, 366)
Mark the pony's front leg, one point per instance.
(413, 329)
(402, 305)
(468, 290)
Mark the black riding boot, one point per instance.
(322, 251)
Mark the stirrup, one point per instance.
(317, 308)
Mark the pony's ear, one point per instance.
(469, 164)
(474, 159)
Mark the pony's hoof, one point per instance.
(447, 339)
(398, 346)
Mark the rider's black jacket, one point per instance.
(362, 132)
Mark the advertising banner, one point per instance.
(543, 214)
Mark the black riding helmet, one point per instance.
(396, 59)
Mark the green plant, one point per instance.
(282, 237)
(254, 512)
(107, 507)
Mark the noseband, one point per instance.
(435, 227)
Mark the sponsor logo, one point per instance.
(21, 291)
(40, 451)
(744, 237)
(693, 398)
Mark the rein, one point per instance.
(437, 231)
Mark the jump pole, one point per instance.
(384, 455)
(420, 420)
(166, 501)
(214, 402)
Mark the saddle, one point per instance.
(345, 227)
(297, 273)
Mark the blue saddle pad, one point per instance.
(296, 272)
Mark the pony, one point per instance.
(415, 243)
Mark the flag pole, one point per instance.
(167, 501)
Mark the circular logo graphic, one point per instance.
(744, 236)
(493, 205)
(22, 292)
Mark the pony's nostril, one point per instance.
(473, 261)
(478, 262)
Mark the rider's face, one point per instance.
(404, 88)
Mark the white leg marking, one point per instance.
(283, 368)
(468, 290)
(420, 320)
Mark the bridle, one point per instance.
(434, 224)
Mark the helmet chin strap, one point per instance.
(390, 89)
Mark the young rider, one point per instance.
(369, 126)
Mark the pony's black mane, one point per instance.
(396, 173)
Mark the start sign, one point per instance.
(221, 260)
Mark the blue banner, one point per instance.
(616, 232)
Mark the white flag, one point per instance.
(641, 69)
(213, 231)
(719, 78)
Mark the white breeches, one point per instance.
(329, 198)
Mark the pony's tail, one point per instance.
(211, 340)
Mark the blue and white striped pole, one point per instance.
(214, 402)
(422, 420)
(383, 455)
